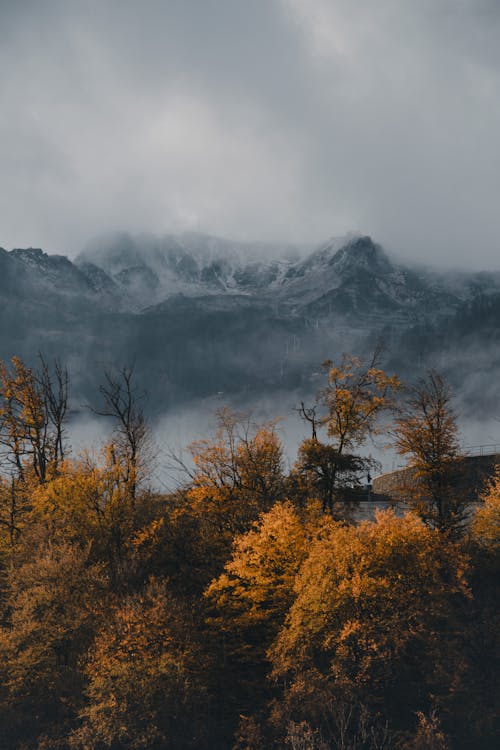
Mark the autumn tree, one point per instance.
(89, 503)
(145, 676)
(486, 519)
(33, 409)
(248, 602)
(373, 624)
(476, 703)
(240, 472)
(257, 586)
(347, 408)
(237, 475)
(426, 432)
(33, 406)
(55, 596)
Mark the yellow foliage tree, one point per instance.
(426, 431)
(145, 675)
(478, 697)
(486, 519)
(355, 396)
(96, 501)
(33, 405)
(237, 475)
(257, 587)
(372, 621)
(248, 603)
(55, 596)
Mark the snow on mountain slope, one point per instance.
(31, 277)
(152, 269)
(202, 315)
(350, 279)
(54, 270)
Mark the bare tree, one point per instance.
(55, 389)
(121, 401)
(308, 414)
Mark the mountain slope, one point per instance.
(201, 315)
(351, 279)
(150, 269)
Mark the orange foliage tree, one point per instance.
(236, 476)
(145, 676)
(249, 601)
(426, 431)
(33, 406)
(55, 597)
(372, 623)
(355, 396)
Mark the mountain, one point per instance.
(352, 277)
(200, 315)
(358, 282)
(149, 269)
(32, 277)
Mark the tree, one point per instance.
(426, 431)
(486, 519)
(255, 591)
(248, 602)
(356, 394)
(237, 475)
(257, 587)
(90, 503)
(373, 623)
(33, 408)
(145, 676)
(55, 596)
(478, 697)
(55, 388)
(132, 443)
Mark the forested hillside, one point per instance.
(250, 608)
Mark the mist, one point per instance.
(173, 431)
(277, 120)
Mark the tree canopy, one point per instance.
(250, 607)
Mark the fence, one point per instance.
(488, 449)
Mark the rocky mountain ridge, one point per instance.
(350, 276)
(202, 315)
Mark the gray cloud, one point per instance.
(272, 119)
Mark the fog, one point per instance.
(174, 431)
(283, 120)
(286, 121)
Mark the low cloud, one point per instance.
(286, 120)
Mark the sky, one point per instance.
(275, 120)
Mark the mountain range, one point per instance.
(200, 315)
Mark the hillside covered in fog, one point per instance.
(200, 315)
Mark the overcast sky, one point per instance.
(286, 120)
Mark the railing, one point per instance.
(488, 449)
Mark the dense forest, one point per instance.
(251, 608)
